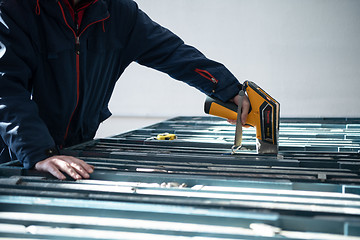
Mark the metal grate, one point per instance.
(193, 187)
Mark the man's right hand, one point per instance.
(245, 104)
(74, 167)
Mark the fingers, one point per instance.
(231, 121)
(48, 166)
(81, 168)
(74, 167)
(245, 109)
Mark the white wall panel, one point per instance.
(306, 54)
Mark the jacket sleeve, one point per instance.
(156, 47)
(21, 128)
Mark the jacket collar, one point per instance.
(95, 12)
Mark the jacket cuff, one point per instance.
(31, 159)
(228, 92)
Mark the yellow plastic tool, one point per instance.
(264, 116)
(166, 136)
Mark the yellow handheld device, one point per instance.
(264, 116)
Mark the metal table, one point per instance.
(192, 187)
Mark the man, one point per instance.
(59, 62)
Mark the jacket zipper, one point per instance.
(208, 76)
(77, 53)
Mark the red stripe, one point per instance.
(37, 9)
(206, 75)
(101, 20)
(67, 24)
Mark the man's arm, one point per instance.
(156, 47)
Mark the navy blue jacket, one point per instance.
(56, 79)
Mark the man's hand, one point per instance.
(244, 110)
(74, 167)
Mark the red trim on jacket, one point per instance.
(101, 20)
(37, 8)
(67, 24)
(206, 75)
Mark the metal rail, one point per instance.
(192, 187)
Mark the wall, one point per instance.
(306, 54)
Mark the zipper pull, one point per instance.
(77, 42)
(207, 75)
(77, 45)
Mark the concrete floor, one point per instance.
(116, 125)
